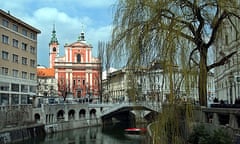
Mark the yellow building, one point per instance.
(18, 60)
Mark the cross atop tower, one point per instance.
(81, 37)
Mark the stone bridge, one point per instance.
(62, 116)
(131, 112)
(52, 113)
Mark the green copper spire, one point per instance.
(54, 37)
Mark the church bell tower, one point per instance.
(53, 48)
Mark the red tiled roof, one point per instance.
(45, 72)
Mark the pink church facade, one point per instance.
(77, 72)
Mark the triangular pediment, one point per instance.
(79, 44)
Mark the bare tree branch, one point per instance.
(221, 61)
(216, 28)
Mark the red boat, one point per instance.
(135, 132)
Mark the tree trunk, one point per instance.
(202, 78)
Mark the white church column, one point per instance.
(70, 49)
(67, 78)
(90, 78)
(71, 82)
(90, 55)
(66, 53)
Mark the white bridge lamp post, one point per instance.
(237, 82)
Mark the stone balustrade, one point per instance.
(224, 117)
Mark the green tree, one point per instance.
(177, 33)
(148, 29)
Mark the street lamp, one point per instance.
(231, 81)
(237, 81)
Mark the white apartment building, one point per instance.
(150, 84)
(47, 83)
(18, 60)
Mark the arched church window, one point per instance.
(54, 49)
(78, 58)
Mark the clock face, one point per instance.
(54, 49)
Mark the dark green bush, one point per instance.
(201, 135)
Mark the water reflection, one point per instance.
(93, 135)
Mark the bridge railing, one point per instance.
(114, 107)
(156, 106)
(153, 106)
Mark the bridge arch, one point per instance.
(82, 113)
(71, 114)
(129, 113)
(93, 113)
(37, 117)
(60, 115)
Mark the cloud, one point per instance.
(67, 29)
(97, 3)
(69, 18)
(94, 35)
(53, 15)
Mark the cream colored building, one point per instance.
(18, 60)
(150, 84)
(227, 78)
(114, 86)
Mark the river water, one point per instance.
(93, 135)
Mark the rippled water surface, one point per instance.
(94, 135)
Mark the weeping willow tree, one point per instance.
(105, 56)
(178, 33)
(142, 27)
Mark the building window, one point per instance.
(32, 76)
(5, 23)
(4, 71)
(33, 36)
(226, 39)
(15, 99)
(78, 58)
(24, 75)
(32, 49)
(24, 32)
(15, 58)
(32, 63)
(24, 61)
(4, 86)
(15, 73)
(15, 43)
(15, 27)
(4, 55)
(15, 87)
(54, 49)
(4, 39)
(32, 88)
(24, 46)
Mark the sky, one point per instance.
(70, 18)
